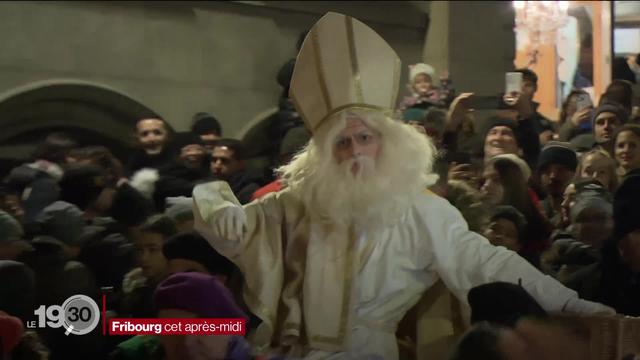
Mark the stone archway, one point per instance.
(93, 114)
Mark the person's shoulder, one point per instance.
(433, 206)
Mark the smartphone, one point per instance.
(583, 101)
(513, 83)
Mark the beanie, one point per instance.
(556, 152)
(197, 293)
(420, 68)
(205, 123)
(191, 246)
(612, 108)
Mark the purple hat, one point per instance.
(198, 293)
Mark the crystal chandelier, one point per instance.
(540, 21)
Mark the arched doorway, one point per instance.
(92, 114)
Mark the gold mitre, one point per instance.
(343, 64)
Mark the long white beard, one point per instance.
(378, 194)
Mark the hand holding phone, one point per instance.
(512, 87)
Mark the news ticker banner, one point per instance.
(177, 326)
(80, 315)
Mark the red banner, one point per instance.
(177, 326)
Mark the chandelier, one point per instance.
(541, 19)
(538, 22)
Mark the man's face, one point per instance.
(223, 162)
(152, 135)
(192, 155)
(500, 140)
(502, 232)
(422, 84)
(605, 125)
(150, 257)
(358, 144)
(528, 89)
(555, 178)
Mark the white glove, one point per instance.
(579, 306)
(220, 209)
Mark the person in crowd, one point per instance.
(613, 279)
(528, 339)
(17, 343)
(18, 290)
(11, 203)
(228, 164)
(505, 184)
(527, 108)
(37, 182)
(179, 209)
(556, 167)
(353, 212)
(506, 228)
(152, 134)
(295, 140)
(100, 156)
(620, 92)
(12, 239)
(431, 122)
(190, 252)
(195, 295)
(424, 93)
(590, 226)
(598, 165)
(606, 119)
(139, 284)
(180, 176)
(208, 128)
(627, 149)
(574, 121)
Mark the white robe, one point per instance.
(340, 293)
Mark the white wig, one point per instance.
(402, 171)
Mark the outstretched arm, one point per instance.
(465, 259)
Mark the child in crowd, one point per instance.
(506, 228)
(139, 284)
(424, 93)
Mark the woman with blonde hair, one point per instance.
(598, 165)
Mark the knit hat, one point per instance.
(502, 303)
(205, 123)
(420, 68)
(10, 332)
(499, 121)
(556, 152)
(295, 139)
(512, 214)
(62, 221)
(612, 108)
(524, 168)
(17, 293)
(191, 246)
(183, 139)
(179, 208)
(197, 293)
(82, 184)
(626, 207)
(591, 196)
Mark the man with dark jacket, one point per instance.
(227, 163)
